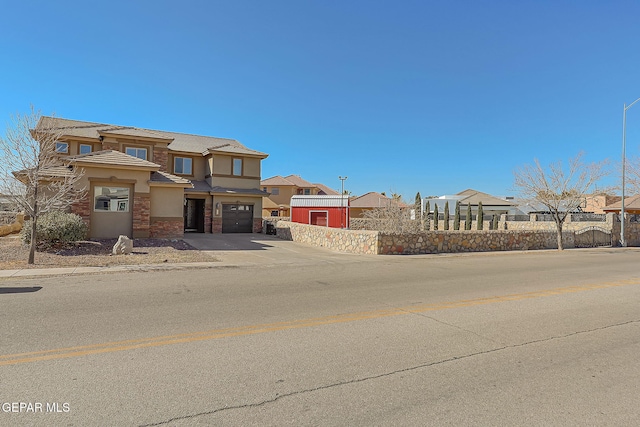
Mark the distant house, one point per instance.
(597, 203)
(491, 205)
(281, 189)
(631, 206)
(369, 201)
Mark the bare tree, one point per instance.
(395, 217)
(34, 174)
(560, 191)
(632, 174)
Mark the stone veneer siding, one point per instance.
(160, 157)
(141, 215)
(257, 225)
(167, 228)
(208, 213)
(428, 242)
(82, 208)
(216, 225)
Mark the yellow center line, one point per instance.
(84, 350)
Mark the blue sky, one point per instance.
(400, 96)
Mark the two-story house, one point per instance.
(281, 189)
(149, 183)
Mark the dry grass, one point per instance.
(14, 254)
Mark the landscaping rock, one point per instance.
(124, 246)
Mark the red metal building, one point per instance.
(328, 211)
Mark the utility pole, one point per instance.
(342, 179)
(623, 240)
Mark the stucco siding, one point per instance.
(167, 202)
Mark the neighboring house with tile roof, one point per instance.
(281, 189)
(491, 205)
(150, 183)
(631, 206)
(371, 200)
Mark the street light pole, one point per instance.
(623, 240)
(342, 179)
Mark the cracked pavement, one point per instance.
(544, 339)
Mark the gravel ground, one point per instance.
(97, 253)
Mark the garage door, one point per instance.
(237, 218)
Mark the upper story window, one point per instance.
(140, 153)
(62, 147)
(85, 148)
(237, 167)
(275, 191)
(307, 191)
(182, 165)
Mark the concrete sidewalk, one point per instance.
(36, 272)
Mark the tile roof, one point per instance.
(112, 158)
(298, 181)
(327, 190)
(179, 141)
(167, 178)
(275, 180)
(199, 187)
(204, 187)
(370, 200)
(632, 202)
(239, 191)
(473, 197)
(51, 172)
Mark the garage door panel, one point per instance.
(237, 218)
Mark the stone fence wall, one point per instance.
(351, 241)
(427, 242)
(432, 242)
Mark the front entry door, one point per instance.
(194, 215)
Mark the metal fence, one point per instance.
(634, 218)
(581, 217)
(517, 217)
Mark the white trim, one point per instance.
(326, 212)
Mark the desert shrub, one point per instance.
(56, 229)
(446, 215)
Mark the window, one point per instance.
(275, 191)
(274, 213)
(237, 167)
(111, 199)
(85, 148)
(307, 191)
(62, 147)
(182, 165)
(140, 153)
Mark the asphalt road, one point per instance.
(538, 338)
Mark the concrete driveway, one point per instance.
(262, 249)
